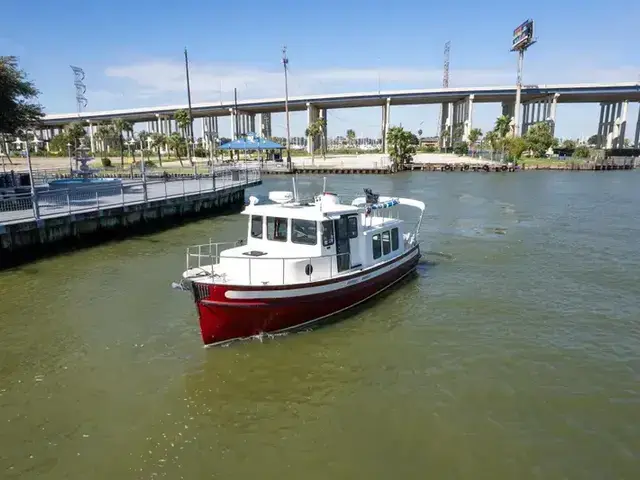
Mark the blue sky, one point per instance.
(132, 52)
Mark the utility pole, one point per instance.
(235, 112)
(285, 63)
(186, 66)
(445, 84)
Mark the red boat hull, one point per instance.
(229, 312)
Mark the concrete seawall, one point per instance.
(30, 239)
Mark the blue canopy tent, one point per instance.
(250, 142)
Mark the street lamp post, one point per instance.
(70, 162)
(285, 63)
(34, 198)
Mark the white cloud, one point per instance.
(165, 79)
(162, 82)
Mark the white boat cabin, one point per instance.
(300, 242)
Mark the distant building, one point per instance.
(428, 141)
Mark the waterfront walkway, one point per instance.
(56, 203)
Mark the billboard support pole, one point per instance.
(522, 40)
(516, 113)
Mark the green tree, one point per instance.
(314, 130)
(183, 120)
(58, 144)
(400, 148)
(581, 151)
(74, 132)
(515, 147)
(322, 130)
(106, 134)
(502, 126)
(419, 134)
(143, 135)
(593, 140)
(158, 140)
(474, 136)
(18, 106)
(458, 130)
(311, 132)
(539, 138)
(569, 144)
(184, 124)
(351, 138)
(444, 136)
(119, 126)
(460, 148)
(175, 142)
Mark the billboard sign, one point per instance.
(523, 36)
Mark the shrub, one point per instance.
(461, 148)
(106, 162)
(581, 151)
(200, 151)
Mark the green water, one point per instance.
(514, 356)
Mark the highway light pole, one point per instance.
(285, 63)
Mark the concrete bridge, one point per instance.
(538, 104)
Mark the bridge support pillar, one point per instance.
(446, 125)
(209, 130)
(386, 112)
(265, 125)
(539, 111)
(636, 141)
(612, 124)
(460, 126)
(313, 142)
(92, 139)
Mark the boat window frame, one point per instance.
(260, 235)
(273, 234)
(387, 243)
(379, 245)
(311, 222)
(326, 240)
(352, 230)
(395, 235)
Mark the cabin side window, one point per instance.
(376, 245)
(327, 233)
(352, 226)
(386, 243)
(304, 232)
(256, 226)
(277, 229)
(394, 239)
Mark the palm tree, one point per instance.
(474, 136)
(400, 146)
(502, 126)
(311, 133)
(184, 124)
(351, 138)
(74, 131)
(175, 142)
(120, 125)
(322, 130)
(158, 140)
(143, 135)
(105, 133)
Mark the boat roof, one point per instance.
(302, 212)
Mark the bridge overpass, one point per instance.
(538, 104)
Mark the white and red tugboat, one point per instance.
(303, 262)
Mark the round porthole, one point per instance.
(308, 269)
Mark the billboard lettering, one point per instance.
(522, 36)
